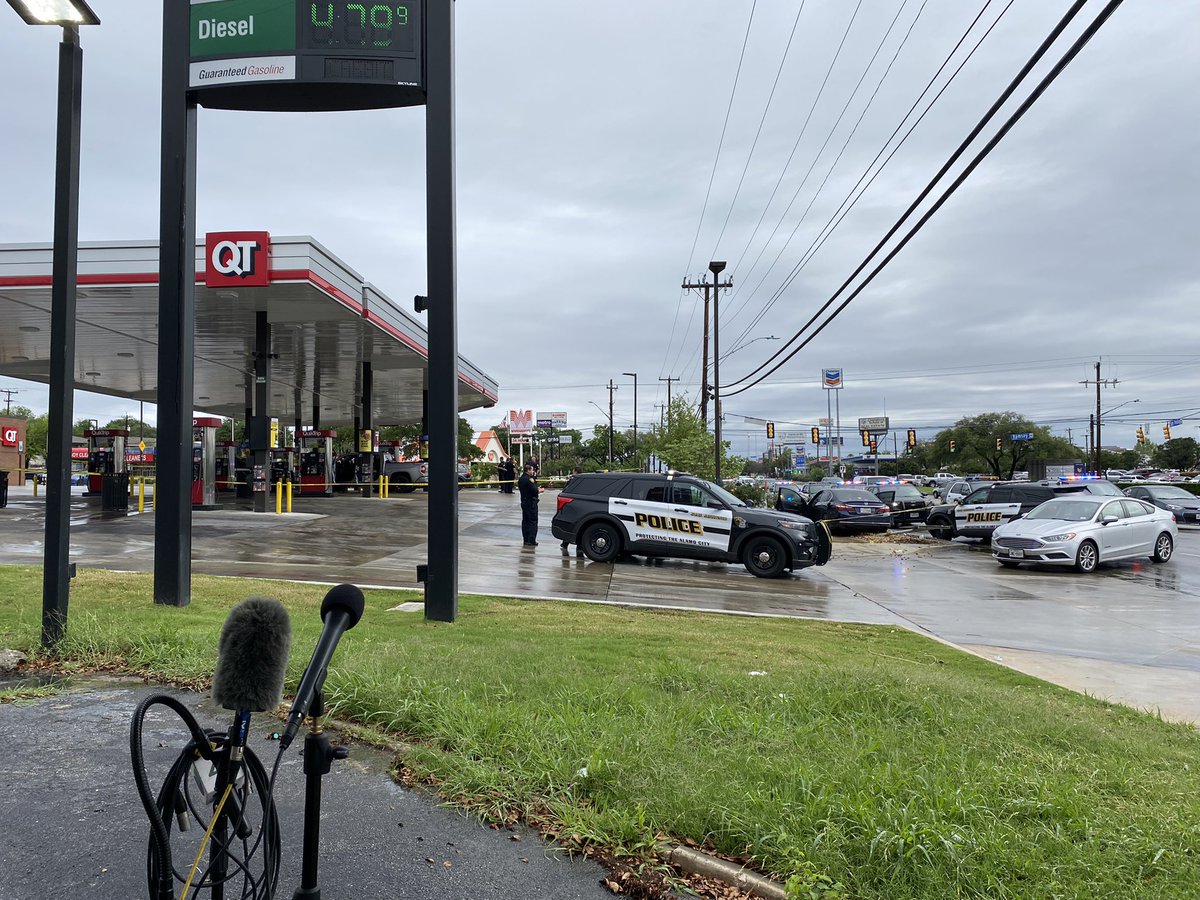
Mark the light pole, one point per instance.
(633, 375)
(717, 267)
(610, 429)
(56, 582)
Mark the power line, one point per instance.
(1050, 77)
(717, 159)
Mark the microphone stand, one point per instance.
(319, 754)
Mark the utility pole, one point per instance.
(717, 267)
(662, 408)
(668, 380)
(697, 285)
(611, 387)
(8, 395)
(1099, 383)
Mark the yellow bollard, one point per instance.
(289, 495)
(141, 495)
(279, 498)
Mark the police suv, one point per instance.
(682, 516)
(986, 508)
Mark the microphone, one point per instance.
(340, 611)
(252, 657)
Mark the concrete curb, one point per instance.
(696, 863)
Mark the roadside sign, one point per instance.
(799, 460)
(1023, 436)
(873, 423)
(1175, 423)
(142, 446)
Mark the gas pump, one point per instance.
(282, 465)
(106, 456)
(316, 461)
(204, 462)
(227, 466)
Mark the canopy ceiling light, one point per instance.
(55, 12)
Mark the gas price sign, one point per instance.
(303, 55)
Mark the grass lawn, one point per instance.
(888, 764)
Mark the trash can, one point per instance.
(114, 492)
(3, 488)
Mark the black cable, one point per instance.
(175, 798)
(703, 209)
(1012, 120)
(851, 199)
(1033, 60)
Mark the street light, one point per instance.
(769, 337)
(717, 267)
(633, 375)
(610, 429)
(56, 583)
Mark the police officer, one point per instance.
(528, 487)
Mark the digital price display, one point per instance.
(293, 55)
(342, 26)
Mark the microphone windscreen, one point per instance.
(252, 656)
(346, 598)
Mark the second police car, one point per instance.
(677, 515)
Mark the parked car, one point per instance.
(684, 517)
(986, 508)
(842, 508)
(1084, 531)
(908, 505)
(954, 491)
(1083, 484)
(1181, 502)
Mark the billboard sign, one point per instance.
(831, 379)
(520, 421)
(873, 423)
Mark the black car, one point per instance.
(842, 508)
(1184, 504)
(907, 504)
(682, 516)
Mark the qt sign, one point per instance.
(237, 259)
(9, 437)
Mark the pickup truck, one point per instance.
(406, 477)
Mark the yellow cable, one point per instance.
(204, 843)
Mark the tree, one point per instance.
(37, 429)
(975, 439)
(1177, 453)
(686, 445)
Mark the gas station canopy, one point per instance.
(326, 320)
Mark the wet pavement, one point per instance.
(68, 795)
(1129, 632)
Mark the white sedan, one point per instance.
(1085, 530)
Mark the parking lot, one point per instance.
(1130, 632)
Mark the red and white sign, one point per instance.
(237, 259)
(9, 437)
(79, 453)
(520, 421)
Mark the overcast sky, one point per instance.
(587, 135)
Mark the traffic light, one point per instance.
(770, 431)
(999, 443)
(1167, 431)
(1141, 434)
(952, 446)
(866, 438)
(874, 447)
(816, 435)
(912, 438)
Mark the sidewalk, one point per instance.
(72, 826)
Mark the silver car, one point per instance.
(1085, 530)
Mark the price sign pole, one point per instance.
(300, 56)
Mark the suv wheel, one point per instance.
(764, 557)
(401, 483)
(940, 528)
(600, 542)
